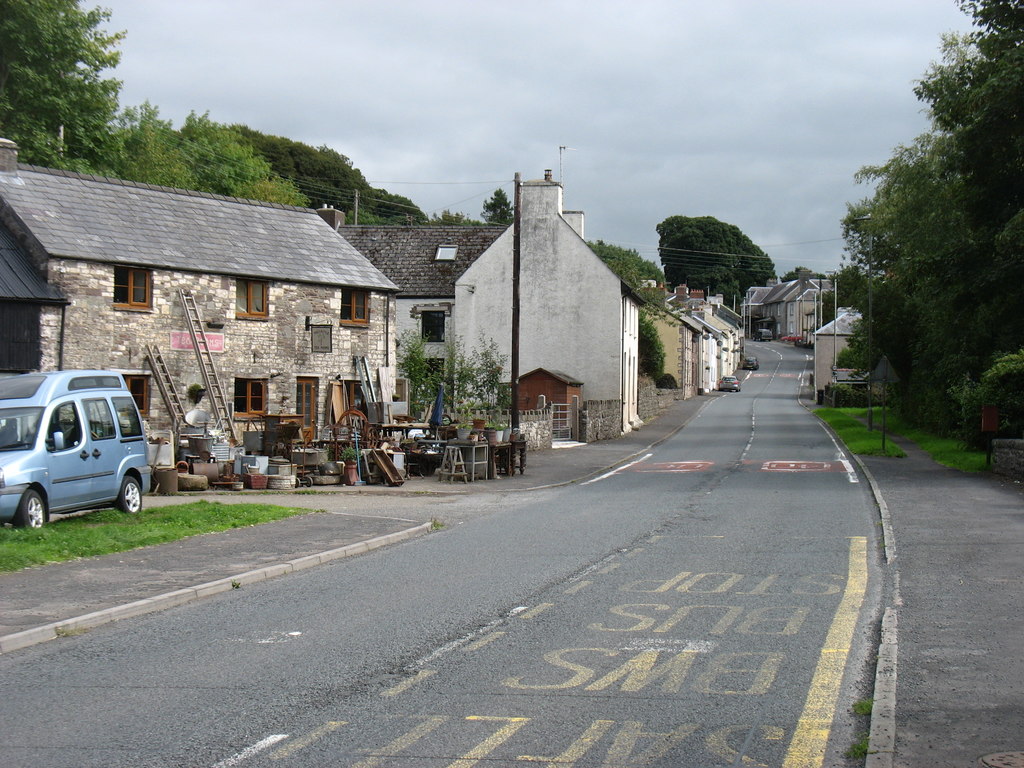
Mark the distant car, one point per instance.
(791, 338)
(751, 364)
(729, 384)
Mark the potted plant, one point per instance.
(195, 393)
(465, 419)
(350, 456)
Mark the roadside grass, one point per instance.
(849, 424)
(947, 451)
(855, 433)
(105, 531)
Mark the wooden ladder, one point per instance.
(166, 386)
(453, 466)
(211, 379)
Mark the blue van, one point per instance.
(69, 440)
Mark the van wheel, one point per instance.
(31, 512)
(130, 498)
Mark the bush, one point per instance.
(1002, 385)
(667, 381)
(846, 396)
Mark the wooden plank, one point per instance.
(387, 467)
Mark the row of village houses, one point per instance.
(296, 306)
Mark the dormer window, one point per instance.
(446, 252)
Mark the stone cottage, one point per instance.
(94, 268)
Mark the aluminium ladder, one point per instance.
(211, 379)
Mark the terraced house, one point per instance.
(105, 273)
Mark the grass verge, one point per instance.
(109, 530)
(849, 424)
(855, 433)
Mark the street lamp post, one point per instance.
(867, 217)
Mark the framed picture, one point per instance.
(320, 338)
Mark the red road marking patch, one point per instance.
(675, 466)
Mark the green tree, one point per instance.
(945, 241)
(706, 253)
(327, 177)
(148, 149)
(647, 281)
(498, 209)
(453, 218)
(202, 155)
(54, 102)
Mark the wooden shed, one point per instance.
(556, 387)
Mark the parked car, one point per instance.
(728, 384)
(69, 440)
(750, 364)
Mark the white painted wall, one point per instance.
(573, 315)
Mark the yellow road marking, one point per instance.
(536, 610)
(313, 736)
(490, 637)
(488, 745)
(577, 587)
(807, 748)
(401, 743)
(409, 682)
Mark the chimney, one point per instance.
(8, 156)
(547, 174)
(332, 216)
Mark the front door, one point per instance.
(305, 403)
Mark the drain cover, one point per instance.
(1002, 760)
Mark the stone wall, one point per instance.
(535, 426)
(276, 348)
(1008, 458)
(654, 401)
(600, 420)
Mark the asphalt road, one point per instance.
(707, 604)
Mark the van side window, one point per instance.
(65, 420)
(127, 417)
(101, 422)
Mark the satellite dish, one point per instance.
(197, 417)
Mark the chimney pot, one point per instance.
(547, 174)
(8, 156)
(332, 216)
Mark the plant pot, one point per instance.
(351, 473)
(462, 433)
(491, 436)
(479, 424)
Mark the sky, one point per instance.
(756, 112)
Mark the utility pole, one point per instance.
(870, 364)
(355, 211)
(516, 262)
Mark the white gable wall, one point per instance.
(571, 304)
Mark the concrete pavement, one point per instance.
(952, 658)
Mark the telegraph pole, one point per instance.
(516, 261)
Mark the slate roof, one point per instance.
(122, 222)
(844, 324)
(19, 279)
(406, 254)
